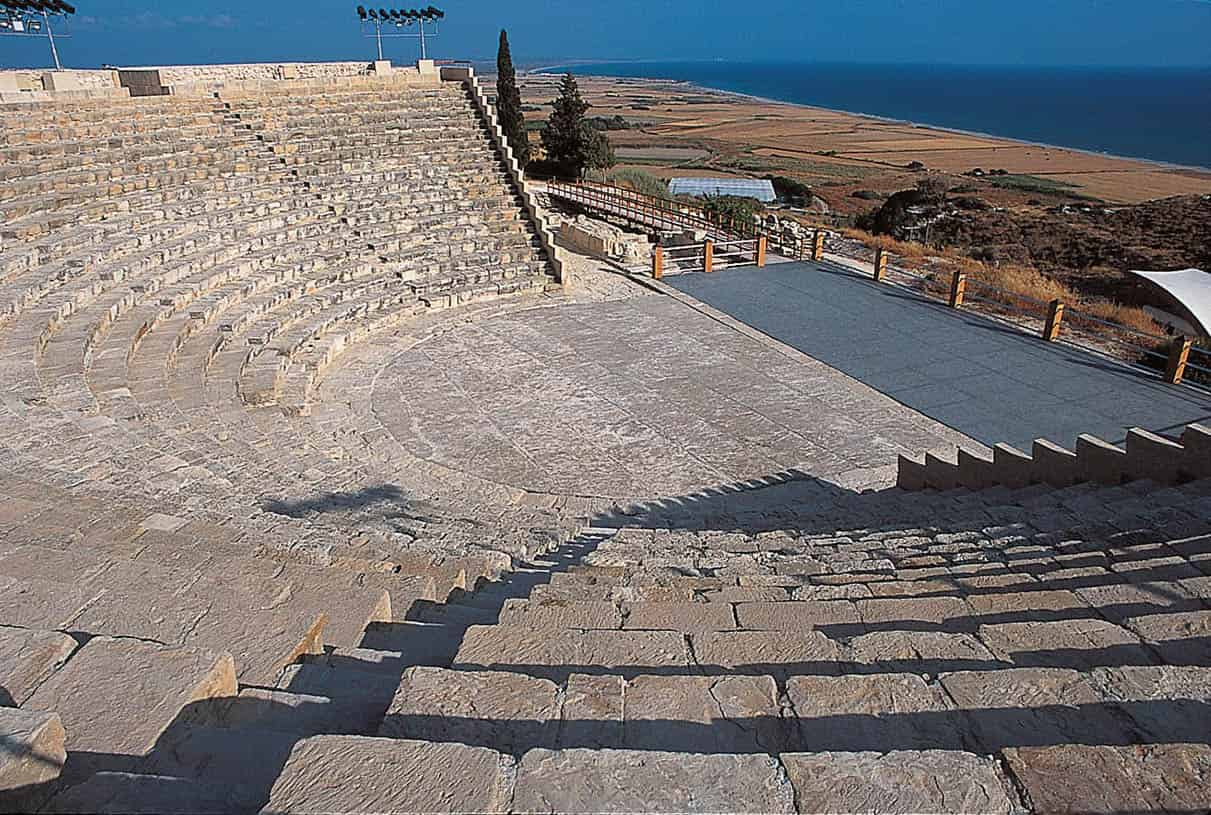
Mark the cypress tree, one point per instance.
(508, 103)
(569, 140)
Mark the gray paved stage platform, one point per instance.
(986, 380)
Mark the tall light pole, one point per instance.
(35, 18)
(373, 21)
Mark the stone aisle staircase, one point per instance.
(965, 651)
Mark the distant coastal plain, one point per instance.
(677, 127)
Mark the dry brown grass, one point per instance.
(1023, 281)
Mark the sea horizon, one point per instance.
(1155, 114)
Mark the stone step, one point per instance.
(119, 793)
(390, 775)
(31, 757)
(266, 614)
(116, 697)
(27, 658)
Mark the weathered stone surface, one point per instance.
(31, 750)
(1025, 605)
(797, 615)
(41, 604)
(1183, 637)
(1079, 644)
(504, 646)
(554, 613)
(1078, 778)
(1033, 706)
(110, 793)
(906, 613)
(592, 712)
(879, 712)
(679, 616)
(626, 781)
(725, 714)
(504, 711)
(328, 774)
(27, 657)
(767, 652)
(1167, 704)
(928, 652)
(936, 781)
(118, 696)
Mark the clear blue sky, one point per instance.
(1026, 32)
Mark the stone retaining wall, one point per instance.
(1144, 456)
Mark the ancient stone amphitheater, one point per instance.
(323, 493)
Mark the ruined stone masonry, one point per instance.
(327, 488)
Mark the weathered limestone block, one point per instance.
(727, 714)
(1167, 703)
(937, 781)
(1099, 460)
(500, 646)
(685, 617)
(112, 793)
(767, 652)
(327, 774)
(31, 751)
(1079, 644)
(1136, 778)
(592, 712)
(554, 613)
(909, 612)
(507, 712)
(923, 652)
(626, 781)
(1053, 464)
(1197, 441)
(27, 657)
(1027, 706)
(879, 712)
(796, 615)
(118, 696)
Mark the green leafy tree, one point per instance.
(569, 139)
(508, 103)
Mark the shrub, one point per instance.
(640, 181)
(866, 195)
(790, 189)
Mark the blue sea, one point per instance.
(1162, 114)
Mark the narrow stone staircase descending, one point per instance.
(963, 651)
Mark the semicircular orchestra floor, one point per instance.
(642, 397)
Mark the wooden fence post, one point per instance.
(818, 246)
(958, 289)
(708, 256)
(1179, 355)
(657, 263)
(880, 264)
(1055, 318)
(761, 248)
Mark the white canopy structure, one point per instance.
(1191, 288)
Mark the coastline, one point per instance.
(875, 117)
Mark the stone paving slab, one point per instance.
(327, 774)
(27, 658)
(654, 399)
(626, 781)
(935, 781)
(32, 750)
(1135, 778)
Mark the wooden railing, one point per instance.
(1175, 358)
(664, 213)
(708, 256)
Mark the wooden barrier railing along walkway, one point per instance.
(709, 256)
(1056, 321)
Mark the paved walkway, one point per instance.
(983, 379)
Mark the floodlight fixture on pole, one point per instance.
(34, 18)
(373, 21)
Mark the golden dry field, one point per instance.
(679, 130)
